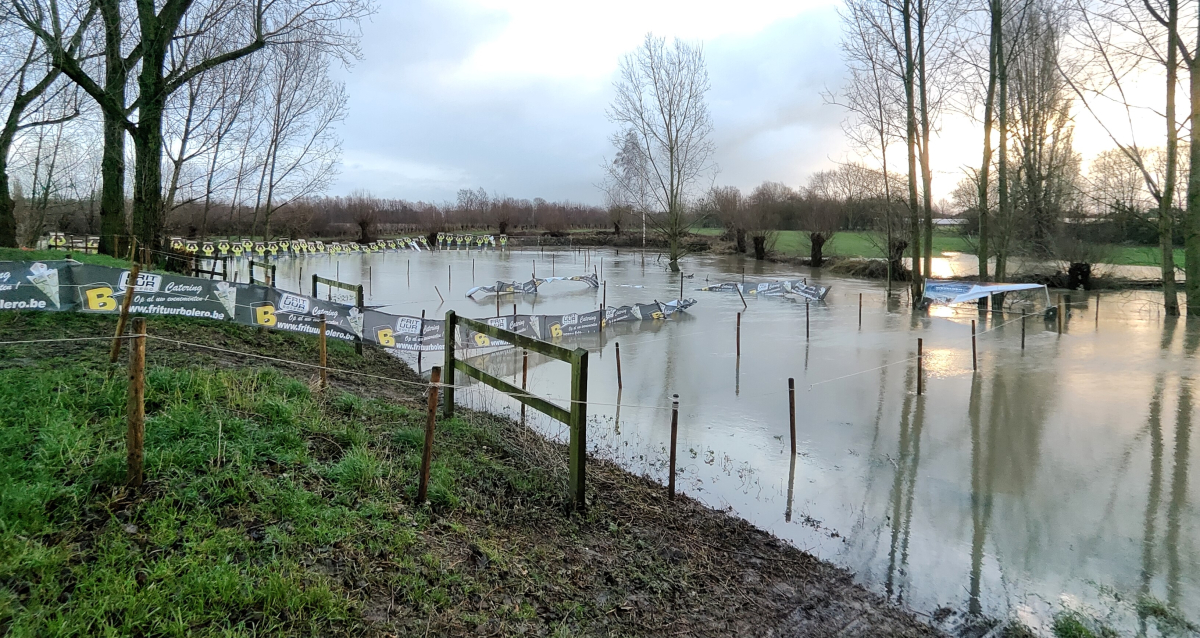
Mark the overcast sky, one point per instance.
(511, 95)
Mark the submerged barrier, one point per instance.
(529, 287)
(68, 285)
(772, 289)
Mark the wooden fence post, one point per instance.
(430, 418)
(324, 355)
(739, 335)
(130, 289)
(920, 366)
(807, 332)
(1022, 329)
(1061, 313)
(524, 379)
(135, 434)
(792, 411)
(420, 340)
(620, 384)
(974, 352)
(314, 286)
(358, 338)
(448, 365)
(674, 440)
(578, 441)
(860, 310)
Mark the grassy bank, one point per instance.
(17, 254)
(272, 508)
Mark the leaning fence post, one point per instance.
(448, 366)
(430, 418)
(324, 356)
(130, 288)
(674, 439)
(1022, 329)
(792, 411)
(135, 434)
(578, 441)
(920, 366)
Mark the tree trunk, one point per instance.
(674, 252)
(985, 168)
(147, 172)
(504, 227)
(1002, 206)
(8, 218)
(816, 245)
(760, 247)
(1166, 226)
(1191, 219)
(926, 171)
(740, 239)
(914, 218)
(112, 159)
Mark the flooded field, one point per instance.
(1055, 477)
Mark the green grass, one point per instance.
(18, 254)
(794, 243)
(272, 508)
(252, 476)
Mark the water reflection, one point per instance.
(909, 458)
(1052, 472)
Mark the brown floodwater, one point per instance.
(1058, 476)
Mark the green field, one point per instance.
(794, 243)
(17, 254)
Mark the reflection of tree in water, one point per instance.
(1154, 425)
(909, 453)
(1178, 497)
(1005, 449)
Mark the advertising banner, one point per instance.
(36, 285)
(70, 285)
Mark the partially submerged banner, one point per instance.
(773, 289)
(72, 286)
(529, 287)
(948, 292)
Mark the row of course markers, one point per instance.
(67, 285)
(275, 248)
(280, 247)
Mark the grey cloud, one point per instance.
(411, 134)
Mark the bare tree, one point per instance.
(35, 96)
(660, 104)
(300, 153)
(329, 25)
(916, 35)
(1123, 37)
(727, 203)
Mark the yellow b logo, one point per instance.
(101, 299)
(482, 339)
(265, 315)
(385, 337)
(556, 331)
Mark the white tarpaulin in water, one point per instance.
(947, 292)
